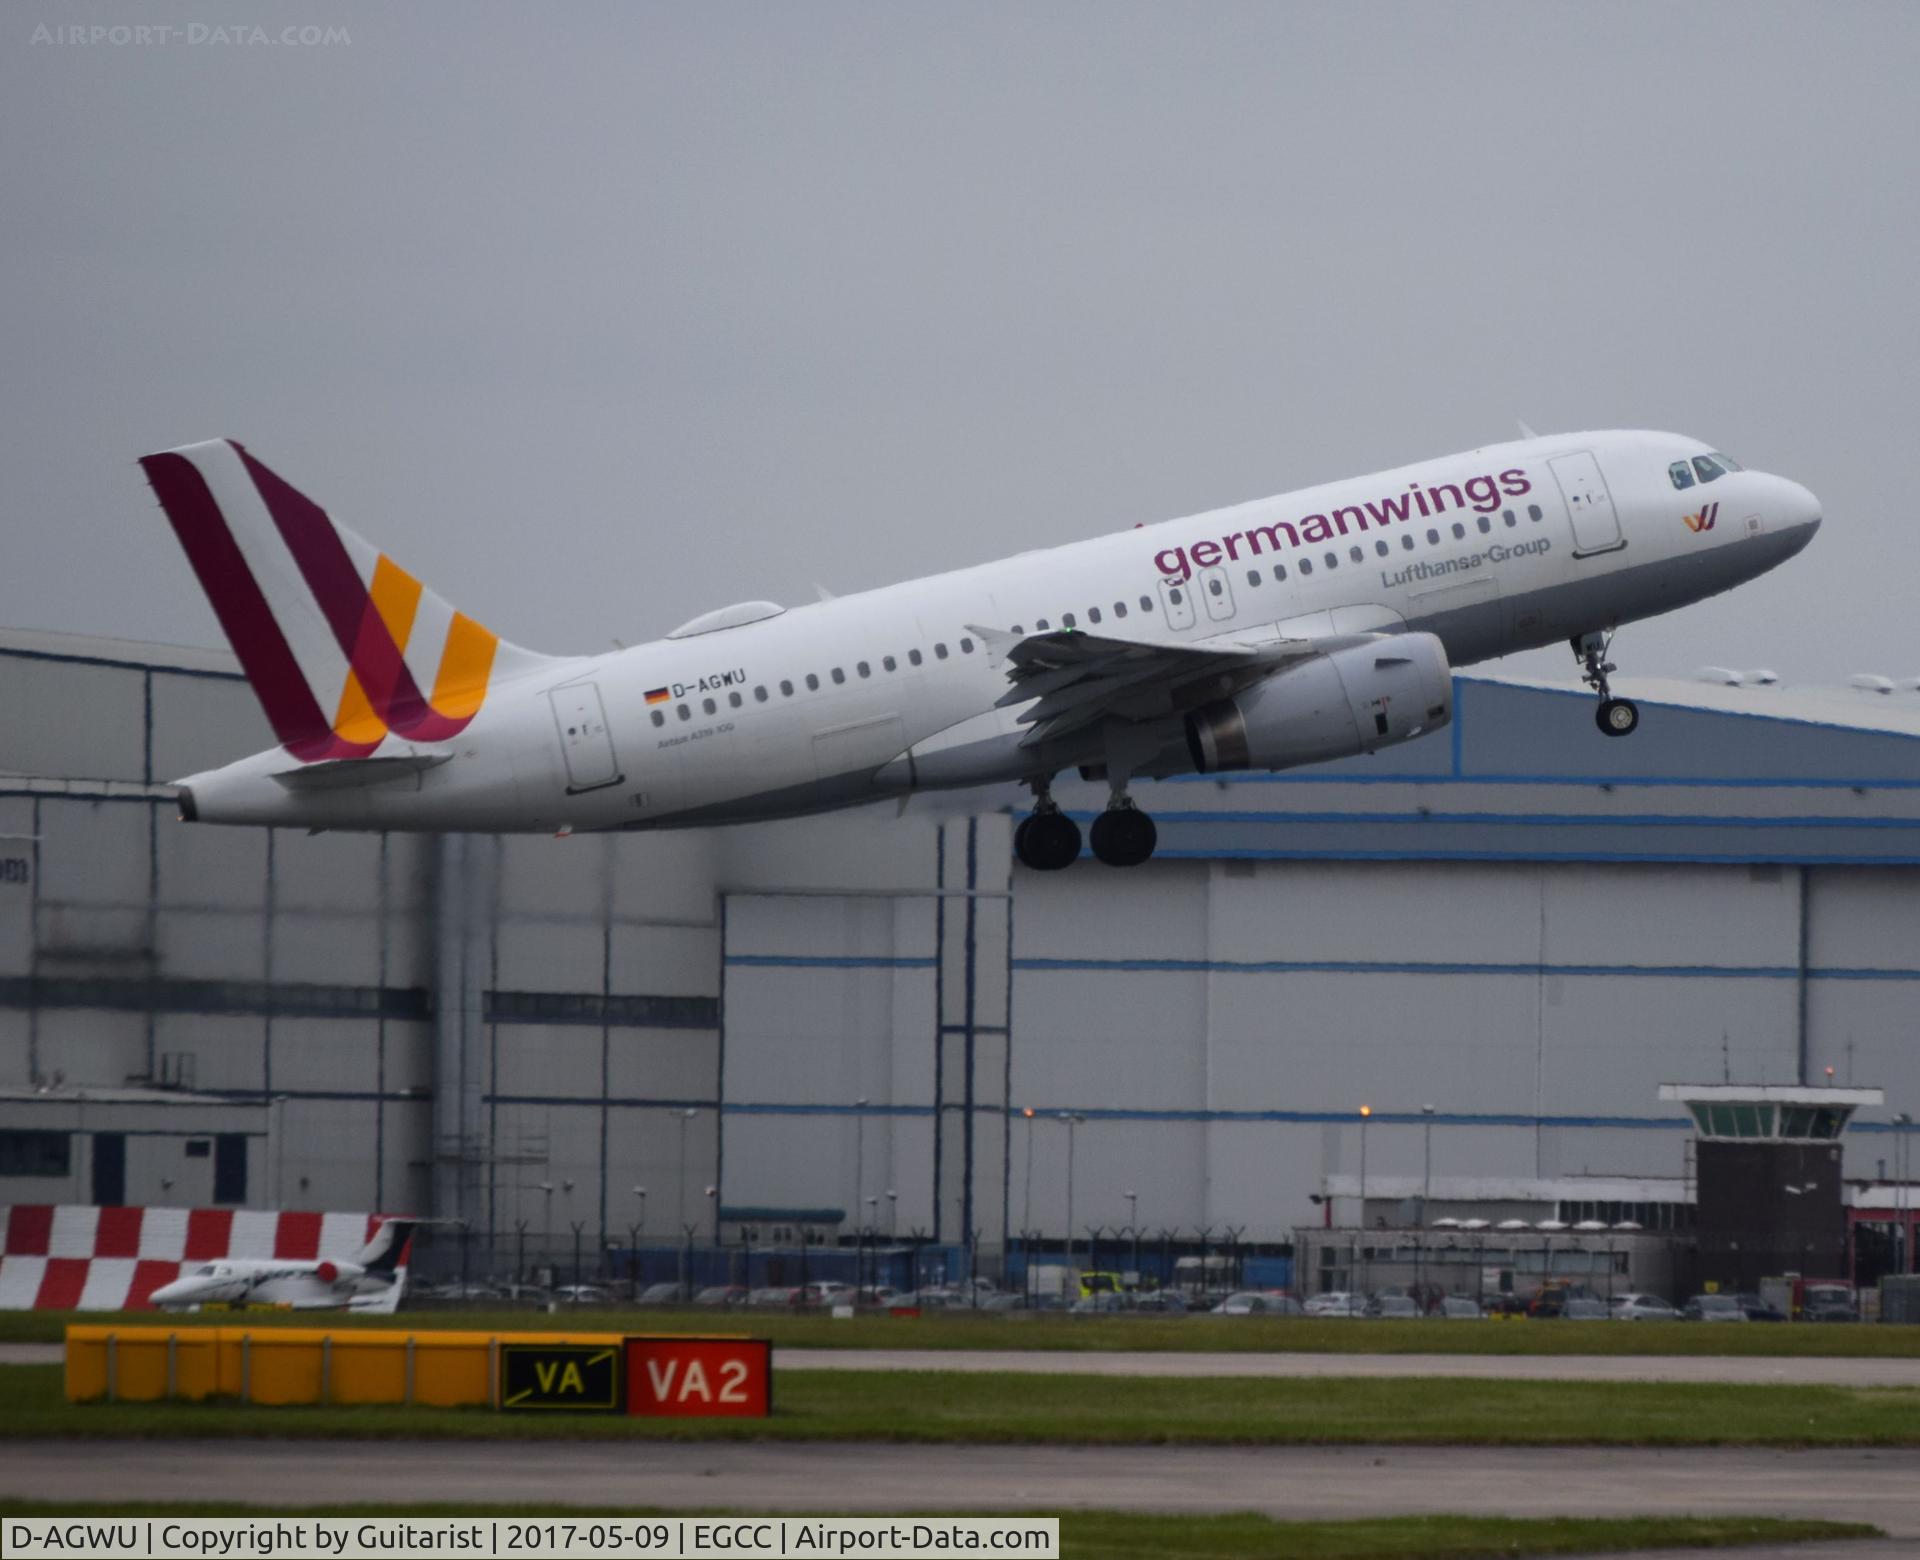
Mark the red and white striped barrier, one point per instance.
(72, 1258)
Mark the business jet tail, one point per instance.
(387, 1250)
(343, 646)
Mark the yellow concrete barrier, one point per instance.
(293, 1364)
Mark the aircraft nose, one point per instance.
(1799, 510)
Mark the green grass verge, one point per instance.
(1240, 1536)
(1200, 1334)
(942, 1406)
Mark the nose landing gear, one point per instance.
(1614, 717)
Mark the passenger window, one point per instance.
(1406, 541)
(735, 700)
(1433, 538)
(914, 657)
(889, 663)
(1380, 548)
(966, 647)
(1039, 625)
(1066, 621)
(1215, 586)
(1093, 614)
(1306, 566)
(940, 652)
(1119, 609)
(1356, 555)
(709, 706)
(838, 675)
(1279, 571)
(1706, 467)
(1507, 515)
(786, 689)
(659, 719)
(1173, 595)
(1533, 511)
(685, 713)
(1146, 603)
(760, 694)
(1253, 576)
(1459, 531)
(1486, 525)
(813, 683)
(1681, 474)
(863, 669)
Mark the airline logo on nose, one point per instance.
(1704, 520)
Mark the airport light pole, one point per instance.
(1903, 1172)
(1073, 1120)
(893, 1215)
(1426, 1178)
(1365, 1112)
(1026, 1217)
(859, 1154)
(639, 1234)
(1133, 1228)
(683, 1116)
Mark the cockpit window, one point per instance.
(1727, 462)
(205, 1272)
(1709, 466)
(1681, 473)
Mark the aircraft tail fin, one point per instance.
(343, 647)
(387, 1250)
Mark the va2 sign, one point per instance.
(700, 1377)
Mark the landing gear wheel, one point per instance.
(1047, 842)
(1617, 717)
(1123, 837)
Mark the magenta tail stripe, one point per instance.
(237, 601)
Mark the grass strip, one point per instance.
(941, 1406)
(1236, 1536)
(1049, 1331)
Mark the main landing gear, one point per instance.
(1615, 717)
(1048, 840)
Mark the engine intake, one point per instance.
(1355, 700)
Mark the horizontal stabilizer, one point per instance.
(335, 774)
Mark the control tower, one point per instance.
(1767, 1165)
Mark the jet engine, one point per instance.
(1348, 701)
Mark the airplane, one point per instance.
(373, 1281)
(1315, 625)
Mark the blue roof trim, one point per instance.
(796, 961)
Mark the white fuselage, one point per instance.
(1500, 549)
(300, 1285)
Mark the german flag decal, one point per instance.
(656, 696)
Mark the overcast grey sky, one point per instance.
(600, 315)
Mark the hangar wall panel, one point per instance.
(73, 720)
(200, 722)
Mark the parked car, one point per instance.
(1581, 1309)
(1460, 1308)
(827, 1291)
(1505, 1308)
(1393, 1308)
(722, 1294)
(1643, 1308)
(776, 1295)
(1167, 1302)
(1757, 1309)
(1335, 1302)
(1004, 1302)
(877, 1294)
(1713, 1308)
(660, 1294)
(582, 1294)
(1249, 1302)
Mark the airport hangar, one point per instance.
(1519, 923)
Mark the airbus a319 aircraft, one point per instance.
(1315, 625)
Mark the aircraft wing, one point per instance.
(1074, 680)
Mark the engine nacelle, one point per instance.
(1351, 701)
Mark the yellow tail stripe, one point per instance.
(460, 685)
(357, 721)
(396, 597)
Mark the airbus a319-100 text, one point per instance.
(1316, 625)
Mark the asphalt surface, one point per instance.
(1678, 1368)
(1882, 1487)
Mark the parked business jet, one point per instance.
(373, 1281)
(1315, 625)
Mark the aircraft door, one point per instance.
(1176, 601)
(1216, 590)
(1596, 525)
(586, 742)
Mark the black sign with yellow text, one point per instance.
(581, 1378)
